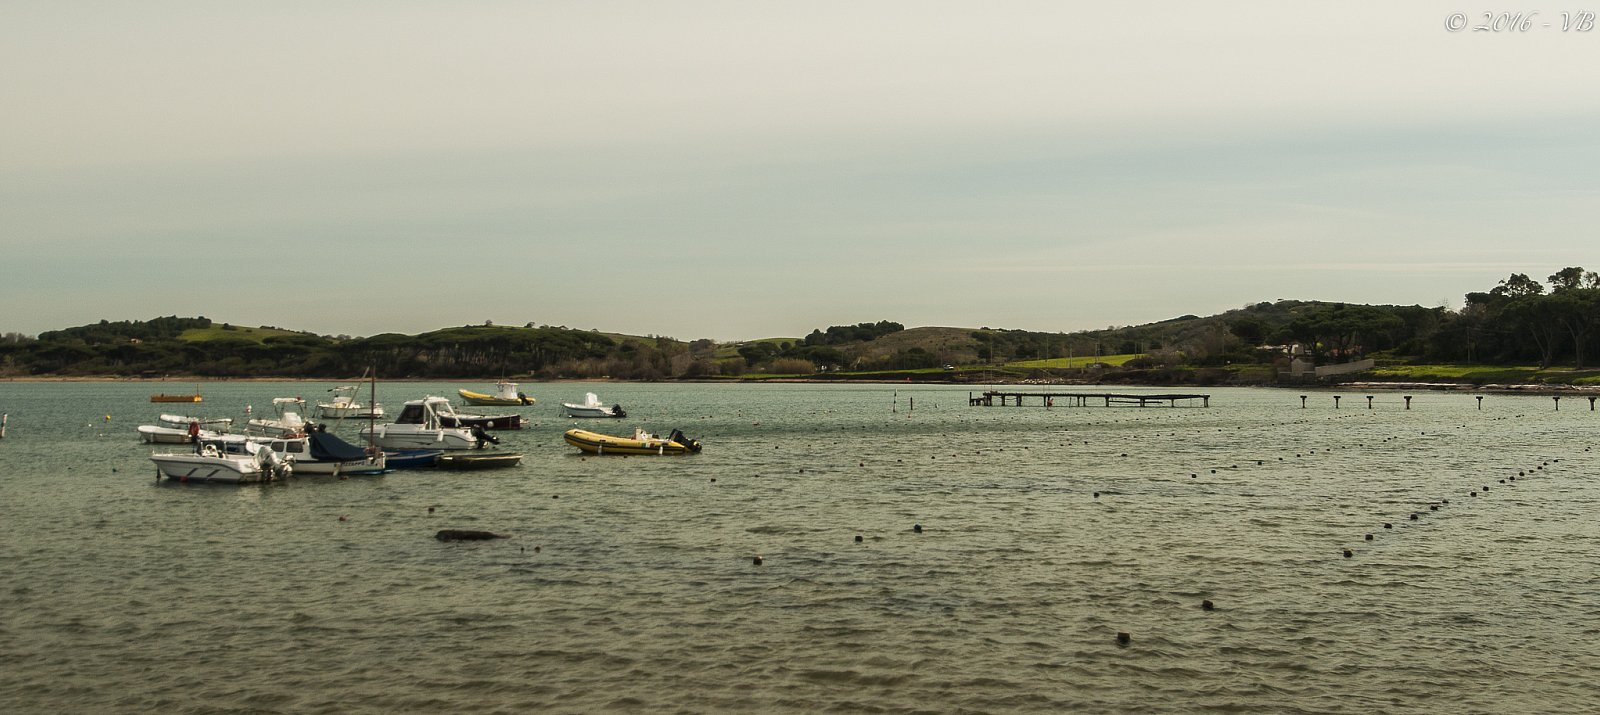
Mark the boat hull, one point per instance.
(331, 412)
(195, 468)
(479, 460)
(174, 398)
(412, 458)
(482, 400)
(590, 412)
(605, 444)
(151, 434)
(484, 421)
(397, 437)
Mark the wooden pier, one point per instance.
(1083, 399)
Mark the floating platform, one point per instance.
(1084, 399)
(163, 397)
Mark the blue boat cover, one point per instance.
(329, 448)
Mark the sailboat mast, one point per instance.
(372, 415)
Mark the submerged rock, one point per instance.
(467, 535)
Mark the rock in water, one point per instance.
(467, 535)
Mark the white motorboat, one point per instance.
(157, 434)
(255, 464)
(285, 422)
(448, 417)
(182, 429)
(218, 424)
(344, 406)
(592, 407)
(315, 453)
(418, 427)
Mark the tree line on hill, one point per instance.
(169, 346)
(1519, 321)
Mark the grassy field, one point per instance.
(1484, 374)
(731, 350)
(238, 332)
(1074, 362)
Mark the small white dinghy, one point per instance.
(592, 407)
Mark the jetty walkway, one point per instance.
(1083, 399)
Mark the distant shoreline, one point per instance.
(1351, 387)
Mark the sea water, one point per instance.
(631, 584)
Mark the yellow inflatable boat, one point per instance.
(505, 395)
(640, 443)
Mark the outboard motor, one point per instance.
(482, 436)
(678, 436)
(271, 462)
(616, 411)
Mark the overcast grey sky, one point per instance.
(749, 169)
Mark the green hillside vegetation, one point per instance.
(1074, 362)
(1519, 331)
(231, 332)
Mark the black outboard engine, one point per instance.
(523, 398)
(616, 411)
(479, 434)
(678, 436)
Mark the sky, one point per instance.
(743, 169)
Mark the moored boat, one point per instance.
(505, 395)
(285, 422)
(448, 417)
(315, 453)
(418, 427)
(412, 458)
(255, 464)
(181, 429)
(164, 397)
(479, 460)
(344, 406)
(641, 443)
(158, 434)
(591, 407)
(219, 424)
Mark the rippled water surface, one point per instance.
(630, 585)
